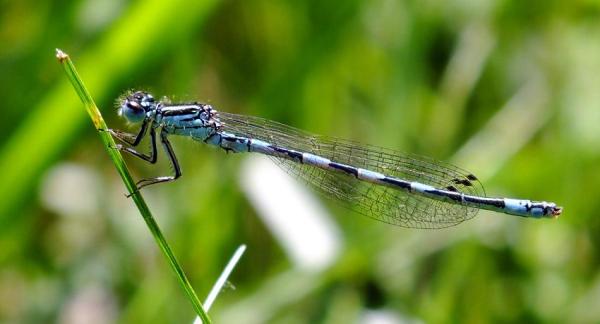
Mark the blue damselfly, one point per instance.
(392, 187)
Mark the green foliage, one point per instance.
(505, 89)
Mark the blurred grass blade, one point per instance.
(224, 275)
(218, 286)
(117, 159)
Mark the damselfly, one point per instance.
(389, 186)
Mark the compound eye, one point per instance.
(134, 105)
(133, 111)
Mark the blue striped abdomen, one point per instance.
(448, 194)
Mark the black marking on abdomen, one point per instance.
(472, 177)
(292, 154)
(499, 203)
(346, 168)
(452, 188)
(451, 195)
(397, 182)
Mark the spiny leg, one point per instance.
(128, 138)
(171, 154)
(152, 157)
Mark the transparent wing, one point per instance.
(382, 203)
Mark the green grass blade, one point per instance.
(117, 159)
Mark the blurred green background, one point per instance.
(509, 90)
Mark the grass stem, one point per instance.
(117, 159)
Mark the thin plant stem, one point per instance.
(117, 159)
(218, 286)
